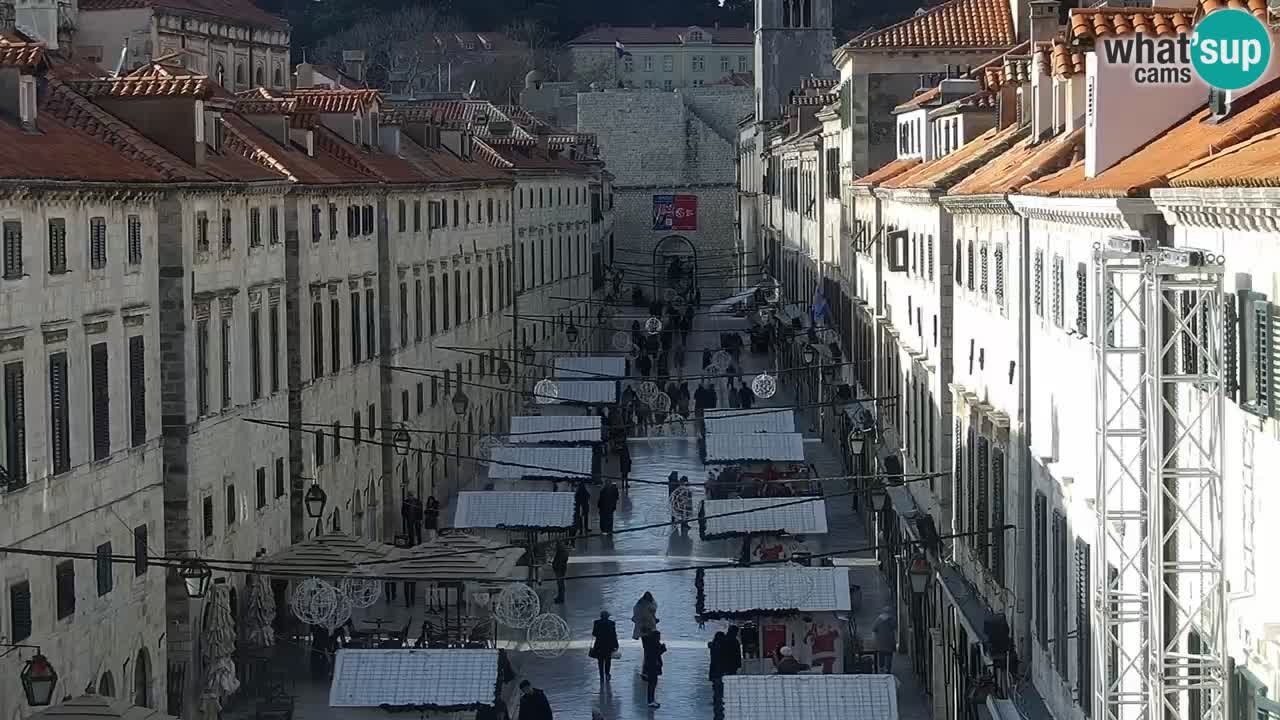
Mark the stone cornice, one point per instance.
(908, 196)
(1112, 213)
(992, 204)
(1234, 208)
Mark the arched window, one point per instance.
(806, 19)
(277, 77)
(258, 76)
(242, 77)
(786, 13)
(107, 685)
(142, 679)
(220, 74)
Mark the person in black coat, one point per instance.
(651, 668)
(582, 509)
(624, 469)
(607, 504)
(533, 703)
(605, 644)
(714, 671)
(645, 365)
(730, 652)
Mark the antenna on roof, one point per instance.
(471, 90)
(124, 51)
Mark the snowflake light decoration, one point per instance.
(722, 359)
(791, 589)
(364, 592)
(621, 341)
(546, 391)
(517, 605)
(314, 600)
(341, 613)
(633, 352)
(548, 636)
(681, 502)
(661, 403)
(764, 386)
(653, 325)
(647, 391)
(675, 425)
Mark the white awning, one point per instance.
(516, 462)
(757, 447)
(755, 589)
(453, 679)
(810, 697)
(765, 515)
(500, 509)
(534, 429)
(592, 367)
(750, 421)
(583, 391)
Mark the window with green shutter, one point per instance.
(103, 569)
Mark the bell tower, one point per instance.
(794, 39)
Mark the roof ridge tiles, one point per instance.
(955, 23)
(235, 140)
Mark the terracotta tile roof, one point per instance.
(156, 79)
(954, 24)
(893, 169)
(942, 173)
(333, 100)
(324, 168)
(1025, 162)
(981, 100)
(736, 79)
(442, 166)
(818, 83)
(920, 100)
(1092, 23)
(1252, 163)
(607, 35)
(77, 112)
(814, 99)
(483, 151)
(273, 106)
(1190, 140)
(533, 158)
(18, 52)
(1062, 60)
(238, 10)
(1258, 8)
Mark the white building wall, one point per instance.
(95, 501)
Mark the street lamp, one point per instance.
(315, 500)
(195, 576)
(460, 403)
(571, 333)
(878, 499)
(856, 442)
(809, 354)
(401, 440)
(38, 680)
(919, 573)
(528, 355)
(504, 373)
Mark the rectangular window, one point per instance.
(444, 300)
(1084, 639)
(103, 569)
(315, 223)
(273, 345)
(1037, 297)
(202, 366)
(231, 505)
(206, 516)
(1040, 543)
(317, 340)
(280, 486)
(57, 245)
(1082, 301)
(404, 404)
(335, 332)
(421, 401)
(457, 297)
(336, 434)
(358, 426)
(355, 327)
(140, 549)
(97, 243)
(317, 438)
(134, 225)
(1057, 290)
(226, 231)
(370, 324)
(983, 270)
(101, 400)
(417, 310)
(997, 515)
(15, 425)
(255, 354)
(273, 224)
(226, 360)
(402, 213)
(366, 219)
(202, 231)
(668, 63)
(404, 314)
(260, 486)
(137, 390)
(255, 227)
(417, 216)
(373, 413)
(431, 304)
(12, 250)
(65, 588)
(20, 611)
(1060, 593)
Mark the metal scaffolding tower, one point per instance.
(1160, 600)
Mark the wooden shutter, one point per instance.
(255, 353)
(101, 399)
(280, 488)
(59, 422)
(997, 516)
(983, 503)
(137, 390)
(140, 561)
(260, 486)
(65, 588)
(15, 424)
(957, 473)
(20, 611)
(12, 250)
(1084, 640)
(370, 326)
(1041, 569)
(355, 327)
(1061, 593)
(103, 569)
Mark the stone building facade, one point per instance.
(662, 58)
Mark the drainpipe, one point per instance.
(1026, 519)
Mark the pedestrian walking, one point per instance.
(746, 398)
(644, 616)
(735, 400)
(884, 634)
(731, 652)
(645, 365)
(533, 703)
(605, 644)
(607, 504)
(624, 467)
(560, 566)
(683, 502)
(411, 518)
(431, 515)
(652, 665)
(673, 483)
(582, 509)
(715, 650)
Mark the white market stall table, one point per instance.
(529, 519)
(776, 460)
(556, 429)
(580, 392)
(725, 448)
(97, 707)
(738, 422)
(770, 528)
(438, 681)
(591, 367)
(791, 605)
(810, 697)
(540, 463)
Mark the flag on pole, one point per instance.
(620, 48)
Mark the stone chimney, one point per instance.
(353, 64)
(1044, 27)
